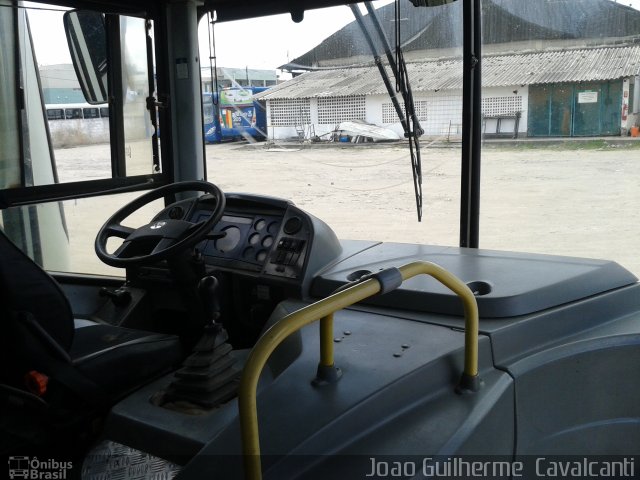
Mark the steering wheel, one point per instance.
(168, 233)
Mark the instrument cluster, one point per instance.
(271, 241)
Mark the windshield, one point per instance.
(50, 136)
(559, 169)
(305, 115)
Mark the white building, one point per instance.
(568, 68)
(316, 101)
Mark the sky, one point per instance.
(262, 43)
(238, 44)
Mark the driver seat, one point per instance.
(80, 362)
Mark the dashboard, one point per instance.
(265, 246)
(267, 237)
(259, 238)
(262, 250)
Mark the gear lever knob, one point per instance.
(208, 293)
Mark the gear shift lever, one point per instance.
(208, 377)
(208, 293)
(214, 333)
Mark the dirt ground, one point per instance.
(566, 200)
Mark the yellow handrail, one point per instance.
(326, 341)
(324, 309)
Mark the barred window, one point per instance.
(287, 112)
(492, 106)
(445, 115)
(72, 113)
(339, 109)
(389, 114)
(55, 113)
(92, 112)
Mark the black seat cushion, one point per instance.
(24, 286)
(119, 359)
(39, 333)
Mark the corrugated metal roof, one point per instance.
(584, 65)
(581, 65)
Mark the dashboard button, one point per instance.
(254, 238)
(273, 228)
(267, 241)
(260, 224)
(261, 256)
(292, 225)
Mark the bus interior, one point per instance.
(178, 309)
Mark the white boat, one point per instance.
(376, 133)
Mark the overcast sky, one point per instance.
(242, 43)
(266, 42)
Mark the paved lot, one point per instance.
(556, 199)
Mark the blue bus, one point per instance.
(238, 115)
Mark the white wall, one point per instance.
(374, 113)
(496, 95)
(77, 131)
(440, 113)
(444, 111)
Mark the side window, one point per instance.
(55, 144)
(44, 111)
(138, 130)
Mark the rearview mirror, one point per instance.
(87, 39)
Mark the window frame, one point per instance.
(119, 182)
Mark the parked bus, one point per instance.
(239, 115)
(70, 111)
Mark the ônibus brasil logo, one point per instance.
(32, 468)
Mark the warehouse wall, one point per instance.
(439, 113)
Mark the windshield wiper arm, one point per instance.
(379, 64)
(410, 123)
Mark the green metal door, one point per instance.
(597, 108)
(550, 108)
(560, 111)
(610, 106)
(586, 117)
(538, 117)
(581, 109)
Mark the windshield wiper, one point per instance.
(408, 117)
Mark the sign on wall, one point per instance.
(588, 97)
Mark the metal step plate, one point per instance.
(113, 461)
